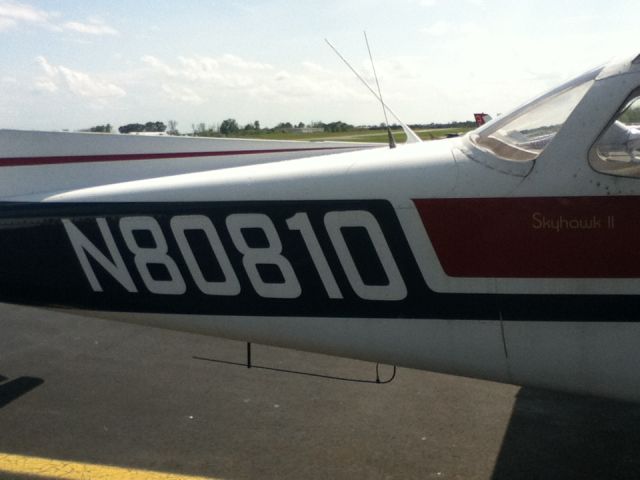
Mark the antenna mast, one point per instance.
(392, 141)
(411, 135)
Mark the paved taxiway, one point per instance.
(111, 400)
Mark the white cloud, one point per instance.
(91, 28)
(20, 12)
(228, 71)
(237, 62)
(13, 14)
(202, 79)
(314, 67)
(49, 70)
(57, 78)
(282, 76)
(84, 85)
(199, 68)
(46, 85)
(159, 65)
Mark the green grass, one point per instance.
(357, 135)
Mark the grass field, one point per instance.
(357, 135)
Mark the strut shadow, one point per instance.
(14, 389)
(559, 436)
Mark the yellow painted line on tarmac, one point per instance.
(50, 469)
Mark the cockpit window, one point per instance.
(524, 134)
(617, 151)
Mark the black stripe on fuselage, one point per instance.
(40, 266)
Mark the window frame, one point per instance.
(498, 123)
(593, 156)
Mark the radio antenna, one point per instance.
(411, 135)
(392, 141)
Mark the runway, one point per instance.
(87, 398)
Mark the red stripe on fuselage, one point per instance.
(63, 159)
(551, 237)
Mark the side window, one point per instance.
(617, 151)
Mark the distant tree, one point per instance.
(256, 125)
(282, 127)
(172, 127)
(101, 128)
(248, 127)
(337, 127)
(301, 125)
(229, 126)
(131, 128)
(147, 127)
(199, 129)
(154, 127)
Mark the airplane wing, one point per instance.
(56, 161)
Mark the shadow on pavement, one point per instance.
(14, 389)
(559, 436)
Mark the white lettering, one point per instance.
(83, 246)
(269, 255)
(395, 289)
(180, 224)
(156, 255)
(301, 223)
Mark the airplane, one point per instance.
(508, 254)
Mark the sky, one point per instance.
(72, 64)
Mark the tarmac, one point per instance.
(83, 398)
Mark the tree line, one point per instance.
(150, 127)
(230, 126)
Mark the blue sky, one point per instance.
(73, 64)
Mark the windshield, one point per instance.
(524, 134)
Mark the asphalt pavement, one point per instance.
(101, 395)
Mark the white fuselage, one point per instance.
(433, 255)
